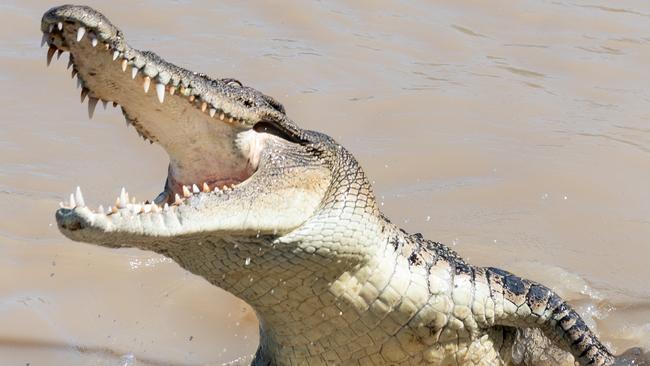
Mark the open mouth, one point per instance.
(213, 130)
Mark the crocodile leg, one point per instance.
(521, 303)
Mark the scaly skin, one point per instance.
(299, 237)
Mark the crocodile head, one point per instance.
(245, 185)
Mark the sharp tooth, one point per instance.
(80, 33)
(204, 106)
(101, 209)
(107, 46)
(123, 200)
(186, 192)
(216, 189)
(166, 206)
(104, 103)
(58, 53)
(92, 103)
(160, 92)
(79, 83)
(147, 208)
(147, 82)
(206, 188)
(212, 112)
(124, 63)
(46, 37)
(192, 98)
(222, 116)
(172, 90)
(50, 28)
(73, 73)
(79, 198)
(93, 42)
(84, 92)
(155, 208)
(116, 54)
(134, 72)
(50, 54)
(195, 189)
(177, 200)
(230, 120)
(113, 209)
(71, 202)
(69, 61)
(59, 25)
(114, 104)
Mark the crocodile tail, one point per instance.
(525, 304)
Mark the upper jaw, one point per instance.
(205, 125)
(67, 27)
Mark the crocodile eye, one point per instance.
(232, 82)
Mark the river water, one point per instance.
(517, 132)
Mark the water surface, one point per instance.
(518, 132)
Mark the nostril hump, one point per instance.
(67, 220)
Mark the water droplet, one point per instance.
(428, 218)
(127, 360)
(248, 261)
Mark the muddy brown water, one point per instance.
(517, 132)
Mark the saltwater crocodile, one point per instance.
(285, 219)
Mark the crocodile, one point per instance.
(286, 219)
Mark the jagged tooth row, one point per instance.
(162, 87)
(124, 203)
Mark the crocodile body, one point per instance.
(285, 219)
